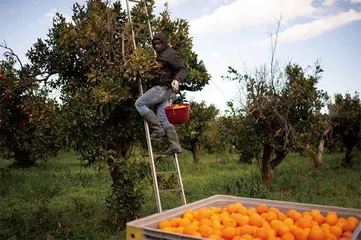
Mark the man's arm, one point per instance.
(179, 67)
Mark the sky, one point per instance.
(232, 33)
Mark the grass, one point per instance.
(62, 198)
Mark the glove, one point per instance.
(175, 86)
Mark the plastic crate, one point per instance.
(147, 228)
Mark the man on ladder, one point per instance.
(165, 86)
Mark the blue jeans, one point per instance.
(159, 96)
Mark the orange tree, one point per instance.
(98, 71)
(192, 133)
(28, 129)
(281, 108)
(345, 115)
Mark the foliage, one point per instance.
(345, 114)
(280, 107)
(127, 196)
(98, 72)
(241, 132)
(28, 120)
(192, 132)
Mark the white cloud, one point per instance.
(328, 2)
(356, 1)
(242, 13)
(315, 28)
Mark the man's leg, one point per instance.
(174, 146)
(143, 104)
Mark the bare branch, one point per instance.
(10, 52)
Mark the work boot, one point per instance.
(156, 129)
(173, 140)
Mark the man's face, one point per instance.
(157, 45)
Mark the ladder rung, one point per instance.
(169, 172)
(170, 190)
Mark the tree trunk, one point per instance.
(280, 155)
(318, 159)
(195, 153)
(266, 164)
(120, 152)
(22, 159)
(348, 154)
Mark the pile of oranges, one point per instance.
(178, 106)
(237, 222)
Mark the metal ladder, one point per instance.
(149, 143)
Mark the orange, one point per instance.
(188, 215)
(205, 231)
(283, 229)
(318, 218)
(196, 234)
(281, 216)
(262, 208)
(175, 222)
(290, 213)
(242, 210)
(289, 221)
(275, 224)
(304, 222)
(316, 234)
(231, 208)
(296, 216)
(353, 219)
(184, 222)
(203, 212)
(169, 229)
(228, 222)
(245, 229)
(349, 226)
(164, 224)
(331, 218)
(205, 221)
(262, 233)
(255, 220)
(190, 229)
(287, 236)
(302, 235)
(216, 237)
(273, 209)
(347, 234)
(251, 211)
(229, 232)
(330, 236)
(336, 230)
(179, 230)
(243, 220)
(246, 237)
(271, 216)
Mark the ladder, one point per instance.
(149, 143)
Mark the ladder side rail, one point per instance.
(149, 143)
(179, 177)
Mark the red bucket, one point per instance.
(178, 113)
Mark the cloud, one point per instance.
(328, 2)
(51, 15)
(315, 28)
(243, 13)
(355, 1)
(173, 3)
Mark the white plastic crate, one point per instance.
(147, 228)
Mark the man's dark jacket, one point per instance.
(172, 67)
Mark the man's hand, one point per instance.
(175, 86)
